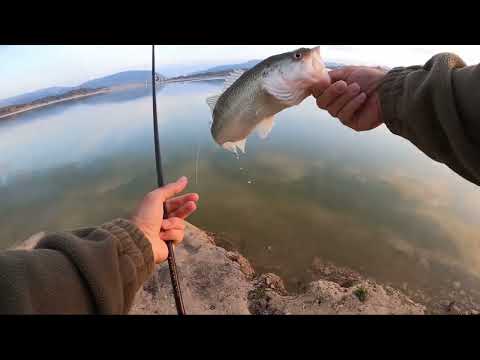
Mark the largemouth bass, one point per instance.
(250, 99)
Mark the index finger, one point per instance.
(170, 190)
(176, 202)
(339, 74)
(331, 94)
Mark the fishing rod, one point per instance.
(177, 292)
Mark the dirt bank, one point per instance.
(25, 108)
(217, 281)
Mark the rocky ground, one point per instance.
(217, 281)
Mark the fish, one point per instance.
(250, 99)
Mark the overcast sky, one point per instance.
(28, 68)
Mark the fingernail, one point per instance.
(340, 87)
(354, 88)
(166, 223)
(362, 97)
(182, 179)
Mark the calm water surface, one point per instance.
(369, 201)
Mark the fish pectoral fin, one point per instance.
(231, 78)
(234, 145)
(265, 127)
(212, 101)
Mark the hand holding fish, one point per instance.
(353, 97)
(149, 216)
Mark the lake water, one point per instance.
(369, 201)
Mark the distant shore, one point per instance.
(21, 108)
(197, 77)
(220, 75)
(25, 108)
(117, 82)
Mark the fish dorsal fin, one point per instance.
(212, 101)
(265, 126)
(231, 78)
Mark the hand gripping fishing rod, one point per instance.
(177, 292)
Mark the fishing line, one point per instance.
(196, 163)
(177, 292)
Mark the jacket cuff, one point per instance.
(133, 243)
(390, 91)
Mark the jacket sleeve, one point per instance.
(437, 108)
(88, 271)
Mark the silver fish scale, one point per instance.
(240, 102)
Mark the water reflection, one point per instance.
(369, 201)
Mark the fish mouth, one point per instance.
(321, 76)
(316, 53)
(316, 59)
(313, 71)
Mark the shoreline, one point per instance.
(177, 79)
(99, 92)
(216, 281)
(38, 106)
(193, 79)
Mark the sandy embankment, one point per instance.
(217, 281)
(38, 106)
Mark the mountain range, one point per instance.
(123, 78)
(248, 65)
(222, 68)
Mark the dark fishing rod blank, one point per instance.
(177, 291)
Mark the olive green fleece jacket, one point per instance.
(88, 271)
(437, 108)
(99, 270)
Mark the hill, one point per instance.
(35, 95)
(247, 65)
(121, 78)
(224, 68)
(125, 78)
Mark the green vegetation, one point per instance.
(361, 293)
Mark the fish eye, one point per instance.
(298, 55)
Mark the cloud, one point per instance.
(443, 204)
